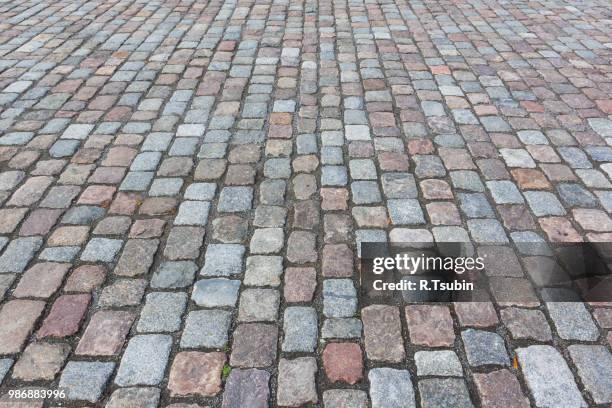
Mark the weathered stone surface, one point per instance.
(594, 364)
(105, 333)
(254, 345)
(537, 363)
(484, 348)
(526, 324)
(137, 397)
(343, 362)
(246, 388)
(500, 389)
(296, 382)
(438, 363)
(41, 361)
(391, 388)
(444, 393)
(65, 316)
(144, 360)
(430, 326)
(383, 333)
(17, 319)
(85, 380)
(196, 373)
(345, 399)
(206, 328)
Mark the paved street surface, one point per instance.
(183, 185)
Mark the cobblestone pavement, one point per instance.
(183, 185)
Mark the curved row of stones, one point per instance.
(184, 187)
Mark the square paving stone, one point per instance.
(173, 275)
(41, 361)
(105, 333)
(339, 298)
(223, 260)
(537, 363)
(137, 257)
(338, 398)
(192, 213)
(594, 365)
(484, 348)
(505, 192)
(475, 205)
(18, 254)
(267, 240)
(430, 325)
(444, 393)
(296, 381)
(144, 360)
(123, 292)
(215, 292)
(365, 192)
(162, 312)
(246, 388)
(124, 397)
(258, 305)
(572, 321)
(184, 243)
(84, 380)
(235, 199)
(206, 328)
(405, 212)
(300, 329)
(196, 373)
(263, 270)
(334, 176)
(399, 185)
(500, 388)
(391, 388)
(254, 345)
(487, 231)
(526, 324)
(101, 250)
(443, 363)
(382, 333)
(165, 187)
(543, 203)
(200, 191)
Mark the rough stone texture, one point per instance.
(296, 382)
(299, 329)
(246, 388)
(444, 393)
(105, 333)
(138, 397)
(41, 361)
(254, 345)
(484, 348)
(439, 363)
(343, 362)
(345, 399)
(85, 380)
(537, 363)
(196, 373)
(209, 171)
(391, 388)
(430, 326)
(382, 333)
(594, 364)
(17, 319)
(144, 360)
(500, 388)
